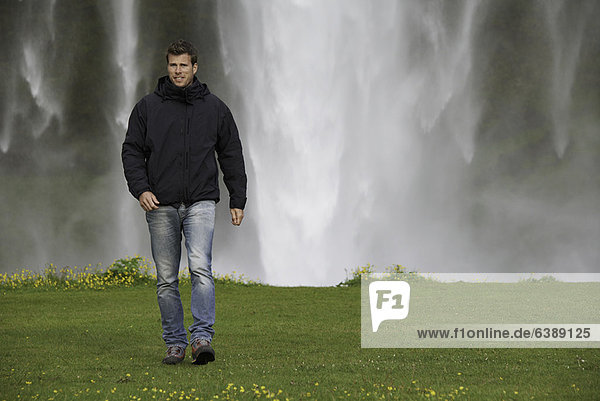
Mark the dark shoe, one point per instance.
(175, 354)
(202, 352)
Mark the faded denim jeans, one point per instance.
(166, 225)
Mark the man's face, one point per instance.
(181, 70)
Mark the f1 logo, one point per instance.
(389, 301)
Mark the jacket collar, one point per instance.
(167, 90)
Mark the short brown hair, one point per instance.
(183, 47)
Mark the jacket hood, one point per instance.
(167, 90)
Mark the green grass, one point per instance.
(270, 342)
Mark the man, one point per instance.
(170, 166)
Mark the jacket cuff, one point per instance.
(237, 203)
(137, 194)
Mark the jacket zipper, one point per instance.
(186, 183)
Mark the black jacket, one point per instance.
(170, 146)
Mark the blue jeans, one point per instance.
(166, 225)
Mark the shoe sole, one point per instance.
(203, 358)
(172, 362)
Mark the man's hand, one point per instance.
(237, 215)
(148, 201)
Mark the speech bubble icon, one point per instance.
(389, 301)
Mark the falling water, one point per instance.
(444, 136)
(362, 123)
(567, 39)
(62, 130)
(126, 57)
(36, 51)
(341, 100)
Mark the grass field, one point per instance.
(271, 343)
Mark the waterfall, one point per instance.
(125, 17)
(361, 122)
(443, 136)
(64, 114)
(337, 102)
(126, 58)
(566, 34)
(36, 52)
